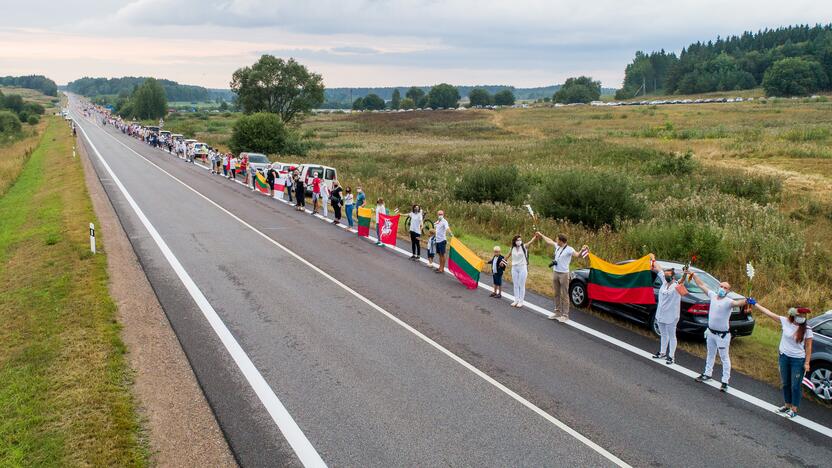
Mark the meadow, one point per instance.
(729, 183)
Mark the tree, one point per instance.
(358, 104)
(261, 133)
(479, 97)
(504, 98)
(373, 102)
(794, 77)
(443, 95)
(223, 106)
(396, 100)
(407, 103)
(149, 101)
(416, 94)
(580, 89)
(274, 85)
(14, 103)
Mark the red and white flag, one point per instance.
(808, 383)
(388, 227)
(584, 252)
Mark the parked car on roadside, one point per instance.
(257, 161)
(693, 320)
(326, 173)
(820, 370)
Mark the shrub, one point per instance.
(679, 242)
(594, 199)
(261, 133)
(33, 120)
(759, 189)
(675, 164)
(9, 123)
(490, 184)
(794, 76)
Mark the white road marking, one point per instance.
(288, 427)
(770, 407)
(556, 422)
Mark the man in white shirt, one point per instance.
(718, 335)
(561, 259)
(441, 243)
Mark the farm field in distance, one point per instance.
(731, 183)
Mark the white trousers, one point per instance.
(325, 203)
(720, 345)
(518, 279)
(668, 338)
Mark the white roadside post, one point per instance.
(92, 238)
(73, 151)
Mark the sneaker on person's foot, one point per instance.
(552, 317)
(723, 388)
(790, 414)
(669, 360)
(783, 409)
(658, 356)
(702, 378)
(490, 295)
(498, 296)
(514, 304)
(563, 319)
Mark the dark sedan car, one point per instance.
(821, 362)
(693, 319)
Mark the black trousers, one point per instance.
(414, 244)
(337, 208)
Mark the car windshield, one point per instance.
(258, 158)
(711, 282)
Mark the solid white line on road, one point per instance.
(288, 427)
(556, 422)
(748, 398)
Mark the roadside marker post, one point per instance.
(92, 238)
(73, 151)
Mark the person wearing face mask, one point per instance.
(519, 257)
(667, 311)
(795, 354)
(441, 239)
(561, 259)
(718, 334)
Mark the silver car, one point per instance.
(820, 372)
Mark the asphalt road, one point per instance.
(367, 390)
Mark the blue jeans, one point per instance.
(791, 377)
(349, 213)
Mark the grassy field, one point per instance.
(756, 186)
(65, 395)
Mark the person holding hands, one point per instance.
(795, 353)
(561, 258)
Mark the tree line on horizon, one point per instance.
(787, 61)
(36, 82)
(124, 86)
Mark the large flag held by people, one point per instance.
(389, 226)
(629, 283)
(364, 217)
(464, 264)
(261, 183)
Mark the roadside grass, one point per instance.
(758, 182)
(65, 394)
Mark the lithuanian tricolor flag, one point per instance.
(261, 182)
(629, 283)
(364, 217)
(464, 264)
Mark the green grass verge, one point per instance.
(65, 394)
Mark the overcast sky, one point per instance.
(370, 42)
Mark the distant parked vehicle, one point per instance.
(326, 173)
(693, 320)
(257, 161)
(820, 370)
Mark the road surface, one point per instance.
(313, 345)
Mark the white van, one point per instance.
(326, 173)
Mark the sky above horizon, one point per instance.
(369, 43)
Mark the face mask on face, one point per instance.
(722, 293)
(800, 320)
(668, 278)
(518, 242)
(441, 217)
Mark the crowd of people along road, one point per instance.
(795, 346)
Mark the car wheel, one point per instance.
(578, 295)
(821, 377)
(654, 325)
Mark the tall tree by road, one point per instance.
(580, 89)
(279, 86)
(443, 95)
(417, 95)
(149, 101)
(396, 101)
